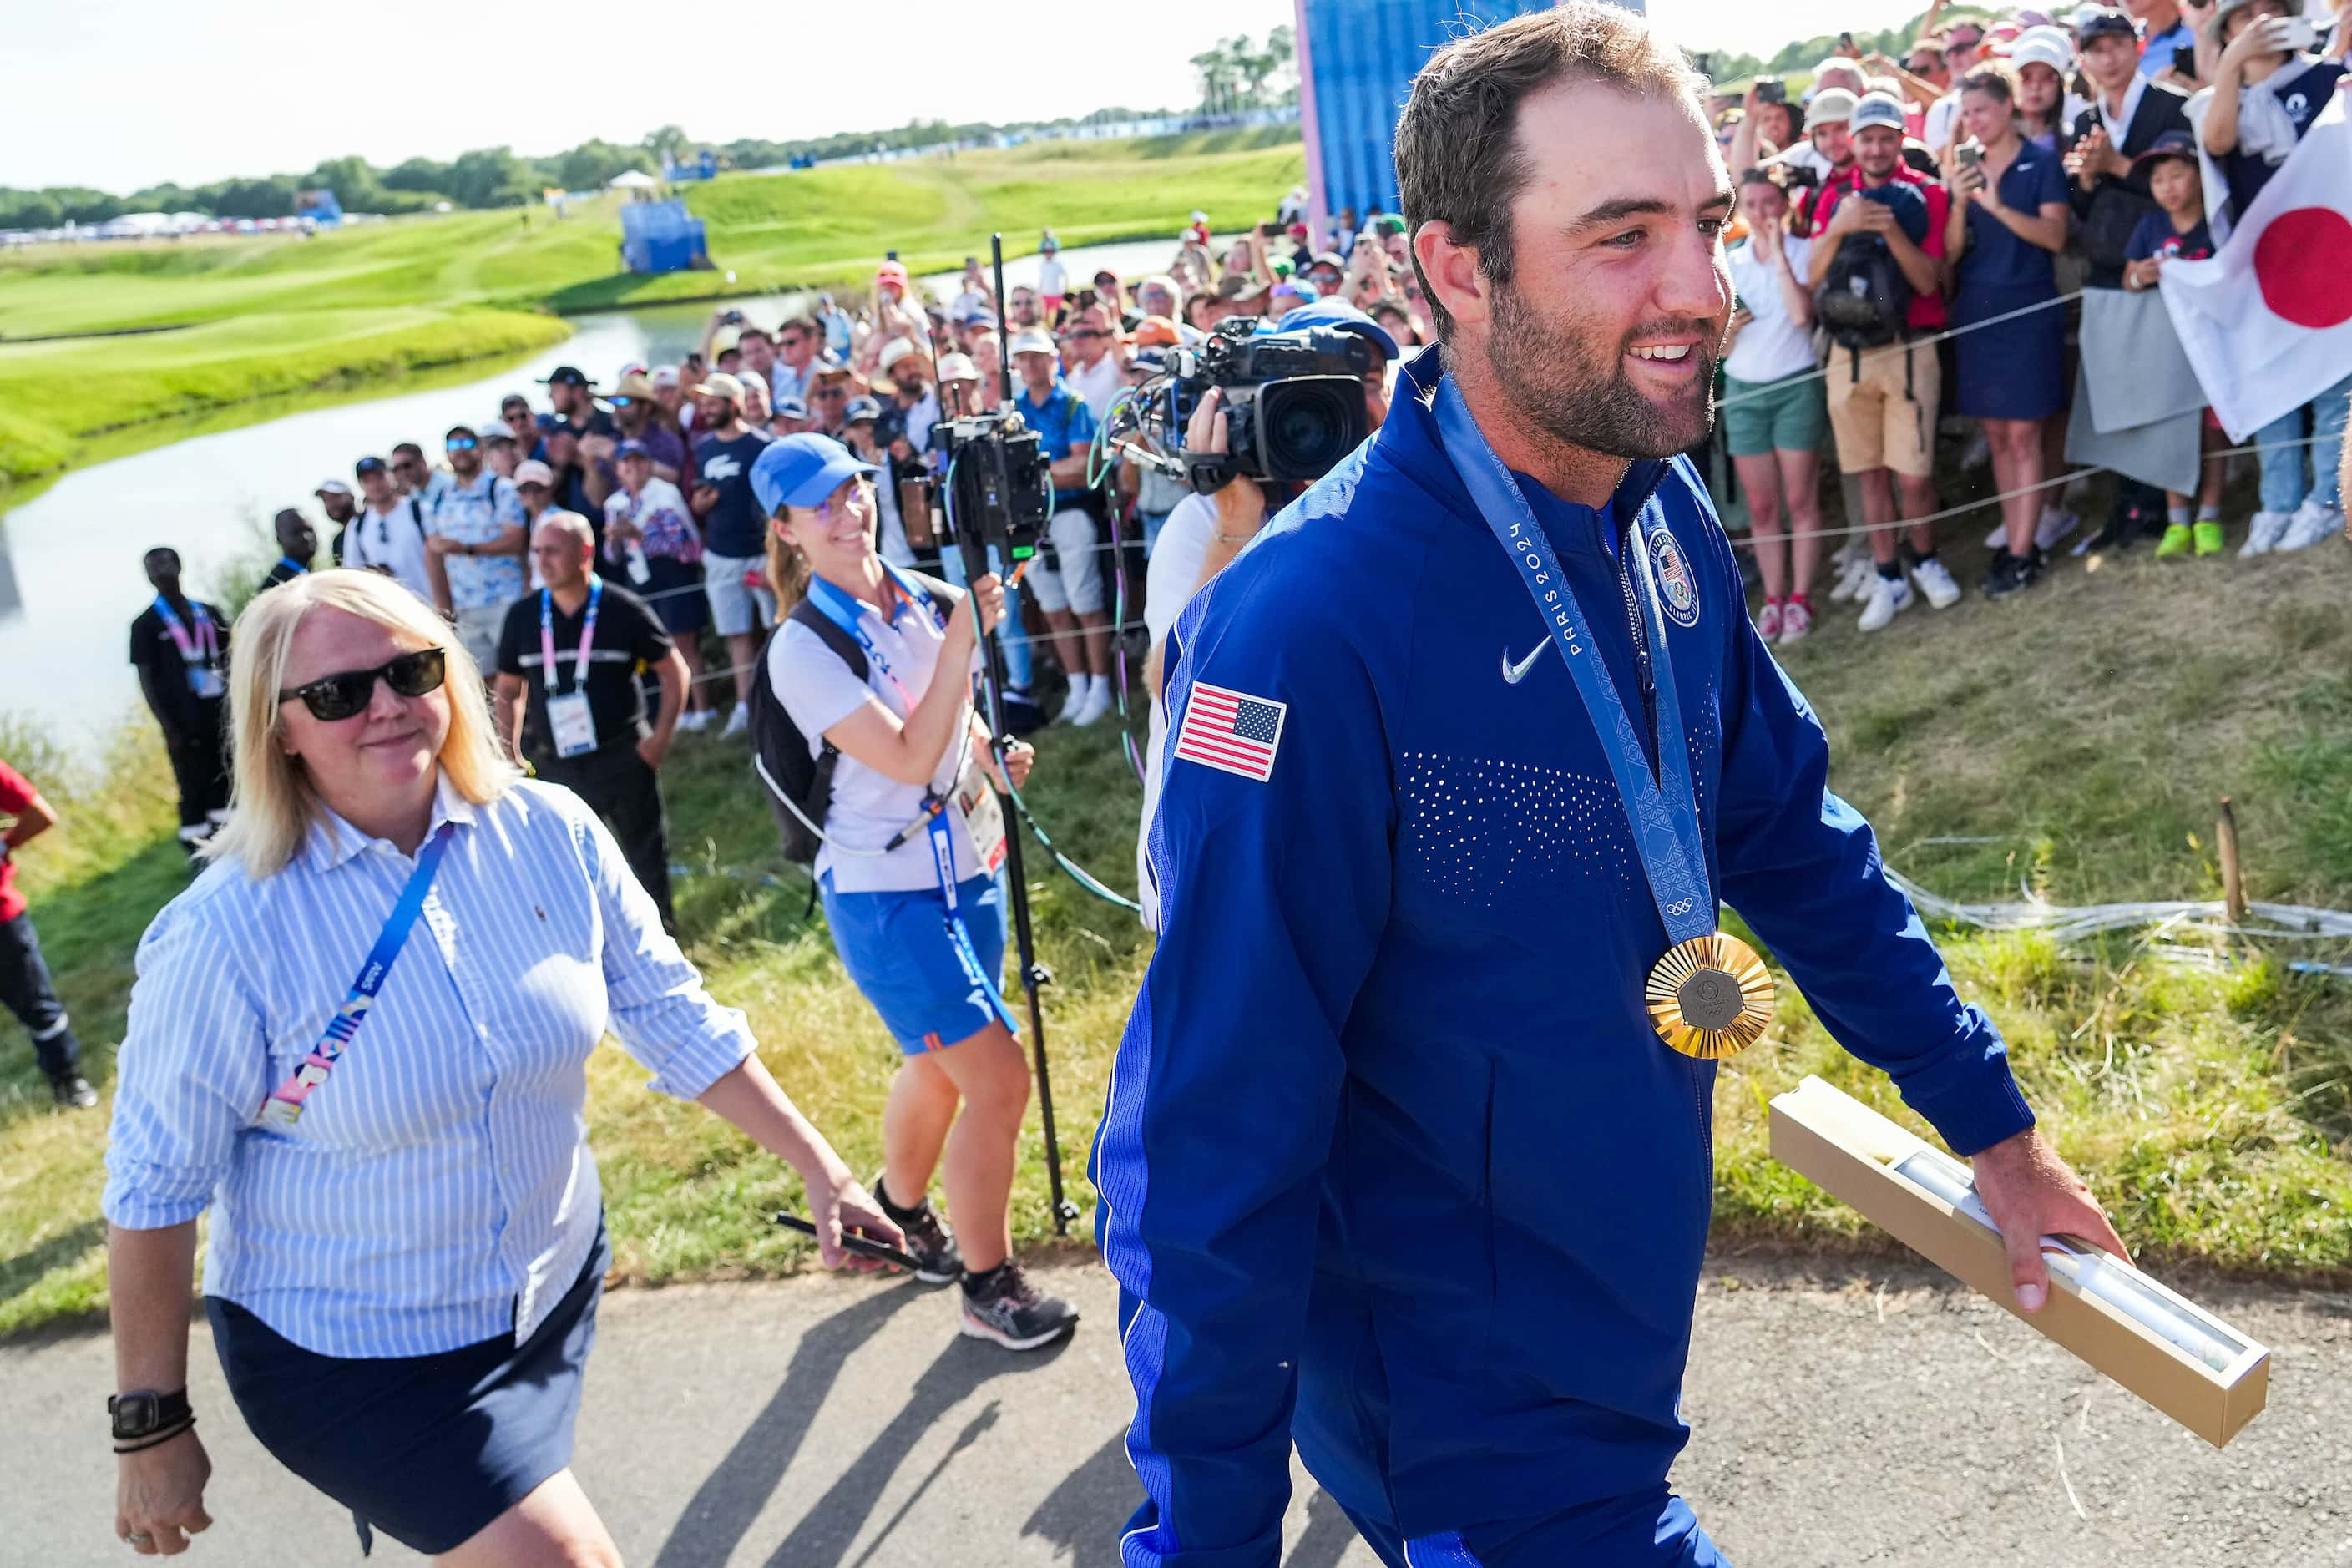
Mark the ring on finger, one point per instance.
(139, 1538)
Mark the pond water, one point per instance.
(70, 581)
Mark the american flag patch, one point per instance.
(1231, 731)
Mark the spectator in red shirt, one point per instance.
(25, 985)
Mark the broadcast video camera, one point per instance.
(1294, 401)
(998, 488)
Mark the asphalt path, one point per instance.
(1843, 1412)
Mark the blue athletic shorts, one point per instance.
(930, 990)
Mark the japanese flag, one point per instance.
(2268, 322)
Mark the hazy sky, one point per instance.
(119, 94)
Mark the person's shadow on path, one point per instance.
(726, 1505)
(1084, 1516)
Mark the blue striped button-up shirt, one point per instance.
(438, 1190)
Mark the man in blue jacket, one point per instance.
(1397, 1161)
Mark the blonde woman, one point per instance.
(908, 869)
(407, 1244)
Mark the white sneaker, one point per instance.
(1084, 711)
(1977, 454)
(1887, 597)
(739, 721)
(694, 720)
(1796, 620)
(1935, 580)
(2263, 534)
(2313, 523)
(1768, 622)
(2057, 523)
(1998, 537)
(1853, 579)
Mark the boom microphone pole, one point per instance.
(1033, 975)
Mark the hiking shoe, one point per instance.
(72, 1091)
(930, 1243)
(2175, 544)
(2313, 523)
(1796, 620)
(1887, 597)
(2208, 535)
(2263, 534)
(1002, 1306)
(1935, 579)
(1767, 621)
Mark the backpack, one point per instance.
(800, 785)
(1864, 301)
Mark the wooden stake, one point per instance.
(2233, 881)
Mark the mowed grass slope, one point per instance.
(2078, 738)
(263, 315)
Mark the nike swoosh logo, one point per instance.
(1514, 673)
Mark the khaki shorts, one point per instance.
(1885, 420)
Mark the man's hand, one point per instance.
(159, 1495)
(705, 497)
(2088, 161)
(2031, 1192)
(652, 749)
(442, 544)
(597, 447)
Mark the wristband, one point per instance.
(158, 1440)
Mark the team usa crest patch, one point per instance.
(1231, 731)
(1678, 589)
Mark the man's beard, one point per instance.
(1546, 369)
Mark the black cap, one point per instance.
(2170, 144)
(367, 466)
(2105, 23)
(566, 376)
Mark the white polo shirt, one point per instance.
(392, 542)
(1177, 558)
(819, 690)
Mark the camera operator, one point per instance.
(928, 954)
(1068, 585)
(1204, 534)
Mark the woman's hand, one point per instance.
(2262, 35)
(840, 1204)
(1968, 181)
(1020, 756)
(986, 600)
(159, 1495)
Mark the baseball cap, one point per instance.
(1830, 106)
(721, 384)
(1233, 285)
(1151, 362)
(957, 367)
(334, 488)
(459, 433)
(2170, 144)
(2044, 47)
(1329, 259)
(891, 272)
(2105, 22)
(789, 408)
(1030, 340)
(861, 408)
(1156, 332)
(1297, 231)
(566, 376)
(827, 367)
(1338, 315)
(663, 375)
(1874, 108)
(897, 350)
(633, 449)
(492, 431)
(367, 466)
(1103, 272)
(534, 472)
(801, 470)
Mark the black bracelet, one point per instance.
(157, 1439)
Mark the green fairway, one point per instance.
(270, 314)
(2074, 744)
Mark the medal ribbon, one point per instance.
(1663, 810)
(587, 635)
(285, 1102)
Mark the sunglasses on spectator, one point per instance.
(460, 443)
(620, 402)
(838, 504)
(830, 393)
(334, 697)
(1088, 333)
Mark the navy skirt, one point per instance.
(429, 1450)
(2014, 369)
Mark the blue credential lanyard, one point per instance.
(1663, 809)
(294, 567)
(200, 648)
(284, 1106)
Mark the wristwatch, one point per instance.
(143, 1413)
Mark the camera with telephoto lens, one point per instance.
(1294, 401)
(998, 487)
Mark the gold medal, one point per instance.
(1710, 997)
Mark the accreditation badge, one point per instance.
(977, 801)
(1710, 997)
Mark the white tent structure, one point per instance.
(632, 179)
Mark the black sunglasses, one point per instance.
(334, 698)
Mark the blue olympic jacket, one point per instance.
(1393, 1163)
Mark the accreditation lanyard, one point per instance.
(587, 635)
(284, 1105)
(204, 646)
(1661, 809)
(293, 566)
